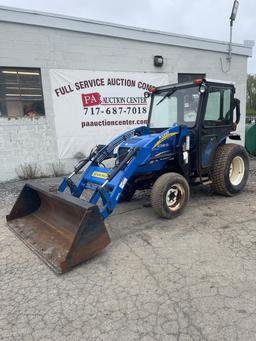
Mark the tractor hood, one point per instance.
(139, 141)
(160, 140)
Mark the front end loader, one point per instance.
(185, 143)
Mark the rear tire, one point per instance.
(169, 195)
(230, 169)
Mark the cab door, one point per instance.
(216, 123)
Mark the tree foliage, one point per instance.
(251, 95)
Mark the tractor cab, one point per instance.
(201, 102)
(206, 107)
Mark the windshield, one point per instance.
(175, 106)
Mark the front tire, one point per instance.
(230, 169)
(170, 195)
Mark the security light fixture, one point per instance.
(158, 61)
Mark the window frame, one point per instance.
(221, 90)
(179, 87)
(19, 100)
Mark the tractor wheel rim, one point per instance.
(174, 197)
(236, 171)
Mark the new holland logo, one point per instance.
(163, 138)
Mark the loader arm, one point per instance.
(104, 153)
(106, 184)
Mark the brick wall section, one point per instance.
(26, 141)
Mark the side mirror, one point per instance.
(237, 107)
(238, 113)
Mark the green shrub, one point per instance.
(250, 112)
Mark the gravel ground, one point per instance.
(192, 278)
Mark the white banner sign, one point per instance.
(91, 107)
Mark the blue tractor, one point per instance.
(185, 143)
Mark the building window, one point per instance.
(21, 93)
(189, 77)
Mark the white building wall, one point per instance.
(34, 141)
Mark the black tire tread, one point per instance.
(219, 166)
(157, 192)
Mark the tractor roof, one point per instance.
(196, 82)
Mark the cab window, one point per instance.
(218, 109)
(175, 106)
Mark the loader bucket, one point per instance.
(61, 229)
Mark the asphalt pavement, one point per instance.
(191, 278)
